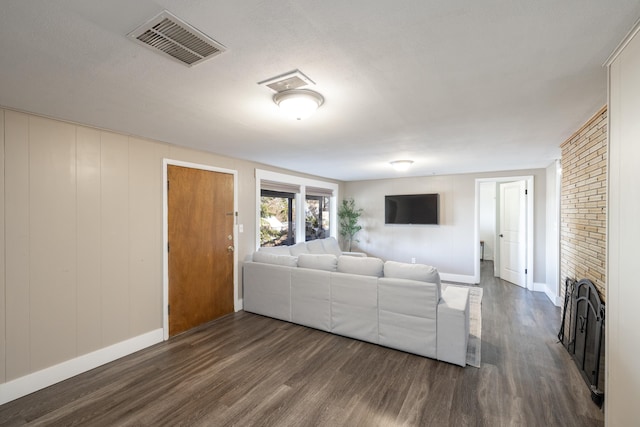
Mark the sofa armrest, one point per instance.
(453, 325)
(359, 254)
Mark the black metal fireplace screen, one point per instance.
(583, 317)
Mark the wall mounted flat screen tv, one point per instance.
(411, 209)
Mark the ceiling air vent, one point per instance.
(177, 39)
(291, 80)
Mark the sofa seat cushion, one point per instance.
(407, 315)
(326, 262)
(354, 306)
(311, 298)
(415, 335)
(267, 290)
(369, 266)
(272, 258)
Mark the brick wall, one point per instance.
(583, 204)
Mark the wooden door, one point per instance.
(512, 232)
(200, 232)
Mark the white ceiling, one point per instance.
(456, 85)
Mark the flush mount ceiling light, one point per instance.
(401, 165)
(298, 103)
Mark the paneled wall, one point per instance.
(623, 291)
(3, 304)
(84, 222)
(81, 254)
(583, 204)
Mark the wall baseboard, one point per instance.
(542, 287)
(30, 383)
(460, 278)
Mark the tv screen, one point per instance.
(411, 209)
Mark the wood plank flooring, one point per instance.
(249, 370)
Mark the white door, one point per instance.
(512, 232)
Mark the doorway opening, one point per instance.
(525, 216)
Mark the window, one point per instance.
(317, 215)
(293, 209)
(277, 218)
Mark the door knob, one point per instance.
(501, 235)
(230, 249)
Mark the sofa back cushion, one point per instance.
(369, 266)
(326, 262)
(420, 272)
(266, 257)
(315, 247)
(331, 246)
(276, 250)
(299, 248)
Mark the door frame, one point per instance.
(165, 235)
(530, 200)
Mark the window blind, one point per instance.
(317, 191)
(282, 187)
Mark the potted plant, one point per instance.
(348, 216)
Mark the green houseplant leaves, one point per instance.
(348, 216)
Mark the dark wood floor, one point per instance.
(248, 370)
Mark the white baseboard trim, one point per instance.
(22, 386)
(460, 278)
(239, 305)
(542, 287)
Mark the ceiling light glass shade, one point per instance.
(401, 165)
(298, 103)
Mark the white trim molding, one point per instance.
(22, 386)
(543, 287)
(459, 278)
(625, 41)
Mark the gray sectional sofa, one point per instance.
(389, 303)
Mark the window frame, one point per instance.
(300, 200)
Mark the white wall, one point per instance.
(449, 246)
(553, 233)
(487, 224)
(622, 386)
